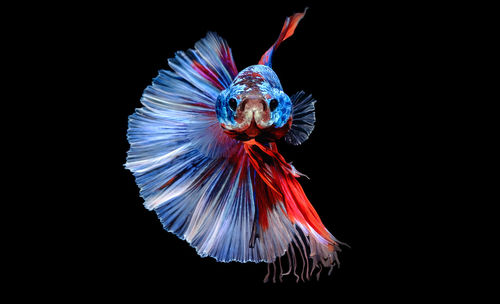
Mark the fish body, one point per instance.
(203, 152)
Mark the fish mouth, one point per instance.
(254, 131)
(246, 131)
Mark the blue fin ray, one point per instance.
(303, 118)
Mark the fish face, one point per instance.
(252, 115)
(254, 107)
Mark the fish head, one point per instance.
(254, 106)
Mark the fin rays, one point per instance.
(303, 118)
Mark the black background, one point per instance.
(363, 63)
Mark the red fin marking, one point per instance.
(228, 61)
(276, 173)
(259, 164)
(286, 31)
(264, 199)
(169, 182)
(207, 74)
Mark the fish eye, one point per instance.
(273, 104)
(232, 104)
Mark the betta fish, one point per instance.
(204, 155)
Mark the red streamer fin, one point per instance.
(280, 177)
(287, 31)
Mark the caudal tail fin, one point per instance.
(287, 31)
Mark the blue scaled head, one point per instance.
(254, 106)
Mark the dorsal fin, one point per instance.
(287, 31)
